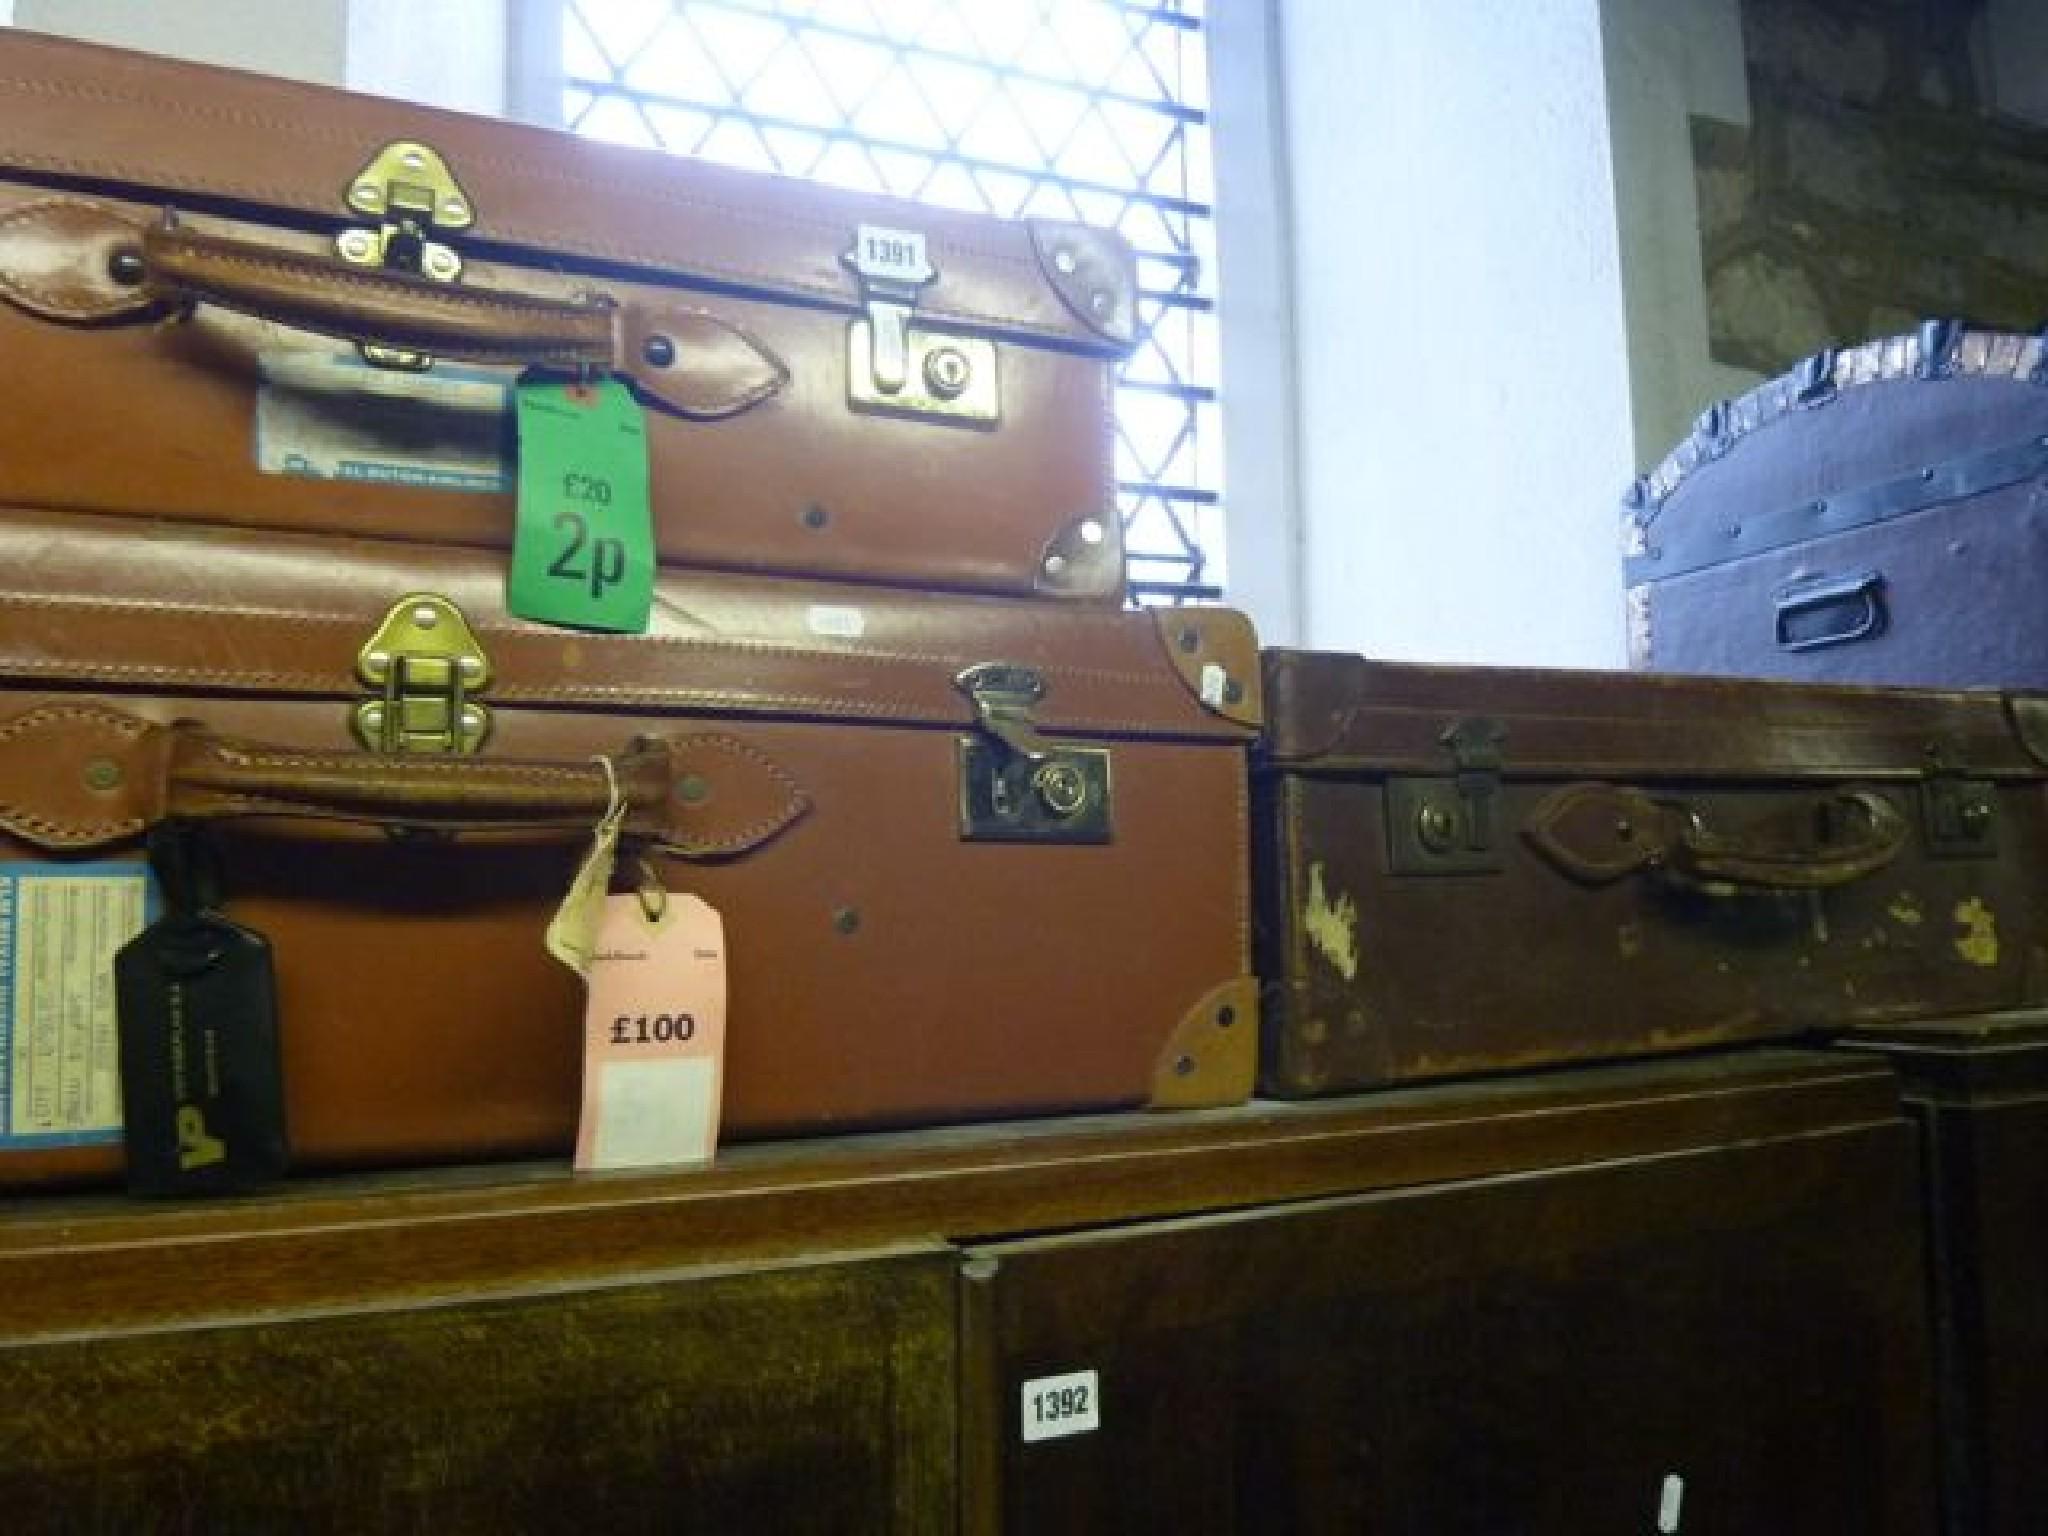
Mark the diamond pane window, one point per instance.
(1068, 109)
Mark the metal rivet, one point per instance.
(1065, 261)
(356, 243)
(455, 208)
(412, 159)
(846, 919)
(1233, 692)
(659, 351)
(694, 789)
(1819, 507)
(441, 262)
(1927, 474)
(426, 617)
(377, 661)
(125, 266)
(102, 773)
(369, 192)
(1183, 1066)
(472, 717)
(1226, 1016)
(815, 516)
(1190, 639)
(472, 666)
(1093, 532)
(1055, 565)
(1624, 828)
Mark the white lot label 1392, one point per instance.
(1057, 1406)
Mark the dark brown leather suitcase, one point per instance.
(975, 856)
(1878, 515)
(1979, 1087)
(1728, 1335)
(1471, 869)
(837, 385)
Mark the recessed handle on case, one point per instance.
(1598, 833)
(1812, 613)
(78, 776)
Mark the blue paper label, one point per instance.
(60, 928)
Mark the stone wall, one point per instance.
(1876, 183)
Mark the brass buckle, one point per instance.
(409, 189)
(424, 666)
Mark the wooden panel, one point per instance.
(69, 1264)
(1534, 1354)
(798, 1398)
(1981, 1086)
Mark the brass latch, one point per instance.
(1015, 786)
(1958, 814)
(409, 190)
(426, 668)
(1439, 826)
(894, 364)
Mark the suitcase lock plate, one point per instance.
(898, 366)
(1015, 786)
(1959, 815)
(424, 667)
(1445, 826)
(408, 188)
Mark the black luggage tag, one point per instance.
(202, 1089)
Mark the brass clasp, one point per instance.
(425, 668)
(1016, 786)
(412, 194)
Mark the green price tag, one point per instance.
(583, 549)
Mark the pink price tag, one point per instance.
(654, 1036)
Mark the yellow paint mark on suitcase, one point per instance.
(1332, 926)
(1978, 943)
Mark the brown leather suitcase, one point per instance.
(975, 856)
(1473, 869)
(837, 385)
(1979, 1087)
(1716, 1331)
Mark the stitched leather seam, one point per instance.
(397, 773)
(50, 298)
(499, 634)
(794, 798)
(563, 239)
(42, 715)
(19, 818)
(299, 268)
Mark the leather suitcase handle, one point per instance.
(376, 306)
(72, 260)
(78, 776)
(1598, 833)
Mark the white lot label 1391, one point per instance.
(1057, 1406)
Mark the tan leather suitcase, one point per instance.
(837, 385)
(1468, 869)
(975, 856)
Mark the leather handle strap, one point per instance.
(73, 260)
(377, 306)
(1598, 833)
(81, 776)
